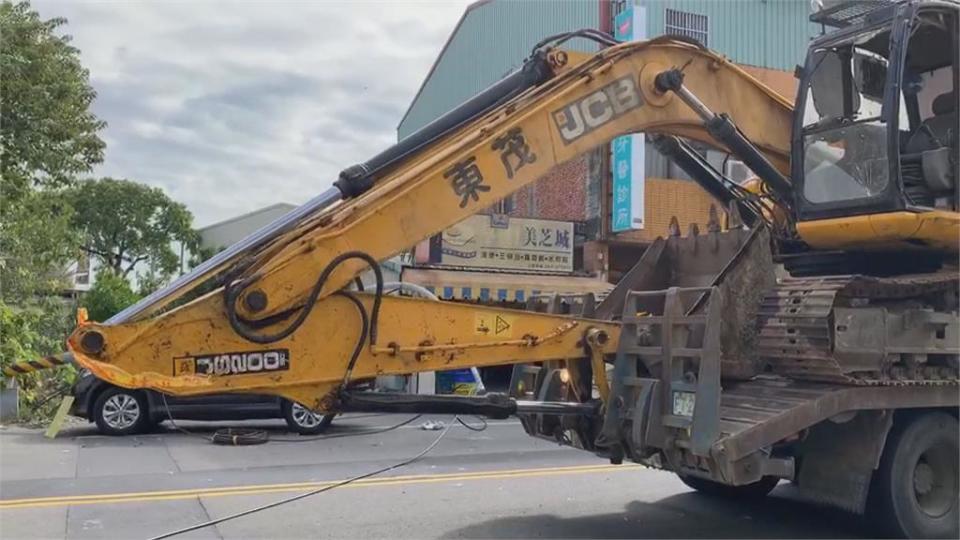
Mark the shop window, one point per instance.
(682, 23)
(656, 165)
(504, 206)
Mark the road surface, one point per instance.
(498, 483)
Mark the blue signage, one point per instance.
(627, 159)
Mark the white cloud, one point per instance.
(230, 106)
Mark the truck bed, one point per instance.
(757, 413)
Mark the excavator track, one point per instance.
(796, 327)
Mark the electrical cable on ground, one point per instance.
(483, 423)
(352, 434)
(274, 504)
(244, 436)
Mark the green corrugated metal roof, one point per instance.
(494, 36)
(492, 39)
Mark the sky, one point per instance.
(230, 106)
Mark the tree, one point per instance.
(108, 296)
(201, 254)
(48, 134)
(37, 243)
(126, 223)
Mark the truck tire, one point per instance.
(914, 491)
(756, 490)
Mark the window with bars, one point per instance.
(619, 6)
(691, 25)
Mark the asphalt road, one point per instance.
(498, 483)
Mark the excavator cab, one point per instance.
(876, 132)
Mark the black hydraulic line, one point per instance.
(724, 130)
(361, 339)
(592, 34)
(705, 175)
(493, 405)
(357, 179)
(245, 329)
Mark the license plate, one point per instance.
(683, 403)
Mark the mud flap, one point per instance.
(838, 457)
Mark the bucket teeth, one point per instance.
(734, 219)
(713, 222)
(674, 227)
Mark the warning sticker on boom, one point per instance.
(493, 324)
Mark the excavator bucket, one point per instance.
(737, 261)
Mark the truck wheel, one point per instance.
(118, 411)
(914, 492)
(756, 490)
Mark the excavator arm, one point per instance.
(282, 322)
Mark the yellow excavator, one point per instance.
(815, 339)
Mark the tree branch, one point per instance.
(94, 251)
(133, 263)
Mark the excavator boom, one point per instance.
(279, 324)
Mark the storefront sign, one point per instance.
(509, 243)
(627, 161)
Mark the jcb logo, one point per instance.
(589, 113)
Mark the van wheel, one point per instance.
(304, 421)
(914, 491)
(118, 411)
(756, 490)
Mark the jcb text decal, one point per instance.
(594, 110)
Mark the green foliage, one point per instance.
(48, 134)
(150, 281)
(32, 332)
(201, 254)
(126, 223)
(36, 245)
(110, 294)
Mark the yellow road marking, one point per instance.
(146, 496)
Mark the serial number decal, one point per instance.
(590, 112)
(236, 363)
